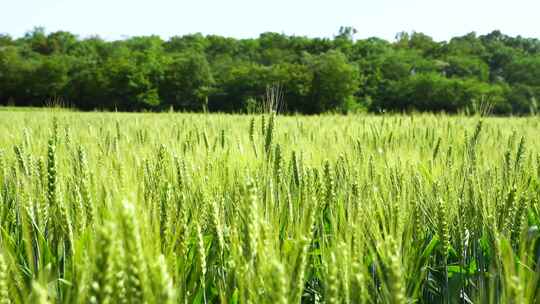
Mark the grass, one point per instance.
(196, 208)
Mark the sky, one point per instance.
(118, 19)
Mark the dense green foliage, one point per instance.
(195, 72)
(99, 208)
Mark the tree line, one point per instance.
(195, 72)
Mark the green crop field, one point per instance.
(215, 208)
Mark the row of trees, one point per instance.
(195, 72)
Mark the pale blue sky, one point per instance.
(115, 19)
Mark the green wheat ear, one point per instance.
(269, 134)
(39, 294)
(85, 186)
(134, 263)
(52, 182)
(4, 281)
(2, 165)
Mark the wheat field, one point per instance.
(215, 208)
